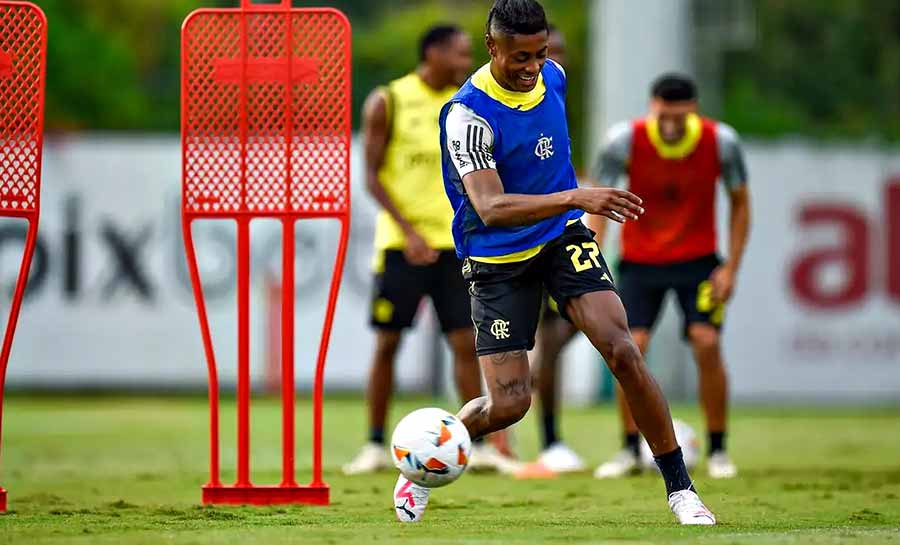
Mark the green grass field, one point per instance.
(128, 471)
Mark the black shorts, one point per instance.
(399, 289)
(643, 288)
(507, 297)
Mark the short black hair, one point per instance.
(437, 35)
(674, 87)
(517, 17)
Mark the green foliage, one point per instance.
(820, 68)
(113, 64)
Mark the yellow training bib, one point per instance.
(411, 174)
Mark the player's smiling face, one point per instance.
(517, 59)
(672, 118)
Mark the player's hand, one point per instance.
(722, 280)
(417, 251)
(616, 204)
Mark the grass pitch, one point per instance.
(128, 471)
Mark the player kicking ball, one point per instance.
(508, 174)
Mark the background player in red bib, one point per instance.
(673, 159)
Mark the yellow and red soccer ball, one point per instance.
(431, 447)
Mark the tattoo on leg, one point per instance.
(504, 357)
(515, 387)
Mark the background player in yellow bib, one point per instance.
(414, 253)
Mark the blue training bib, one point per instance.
(533, 154)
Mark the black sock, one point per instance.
(674, 472)
(716, 442)
(376, 435)
(550, 436)
(633, 443)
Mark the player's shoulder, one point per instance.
(475, 92)
(403, 82)
(725, 132)
(380, 93)
(557, 67)
(465, 105)
(378, 103)
(459, 111)
(404, 89)
(460, 115)
(728, 141)
(617, 142)
(554, 76)
(620, 132)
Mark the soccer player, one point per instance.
(673, 158)
(414, 253)
(508, 174)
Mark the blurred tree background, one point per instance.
(820, 68)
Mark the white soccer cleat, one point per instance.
(720, 466)
(559, 458)
(486, 457)
(410, 500)
(689, 510)
(623, 464)
(371, 458)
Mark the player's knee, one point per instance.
(624, 358)
(511, 408)
(704, 339)
(516, 409)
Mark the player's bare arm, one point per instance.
(496, 208)
(376, 135)
(723, 277)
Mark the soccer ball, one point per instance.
(687, 440)
(431, 447)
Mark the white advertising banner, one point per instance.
(110, 301)
(817, 312)
(816, 315)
